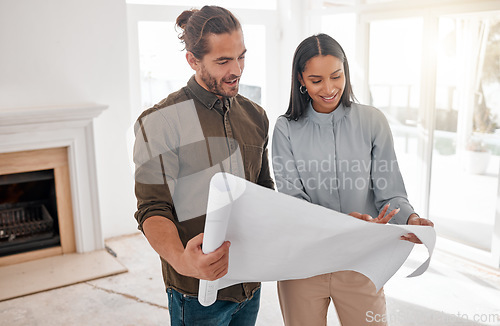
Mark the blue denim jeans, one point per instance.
(185, 310)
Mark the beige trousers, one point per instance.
(305, 302)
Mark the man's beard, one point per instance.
(216, 87)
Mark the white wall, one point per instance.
(69, 52)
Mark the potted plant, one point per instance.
(476, 157)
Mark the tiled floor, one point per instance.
(451, 292)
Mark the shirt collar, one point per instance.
(322, 118)
(208, 99)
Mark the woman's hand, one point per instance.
(414, 219)
(381, 218)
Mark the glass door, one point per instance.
(466, 149)
(394, 88)
(437, 80)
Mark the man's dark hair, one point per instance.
(197, 24)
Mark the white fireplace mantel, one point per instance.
(23, 129)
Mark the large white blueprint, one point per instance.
(277, 237)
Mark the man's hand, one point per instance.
(414, 219)
(194, 263)
(163, 236)
(381, 218)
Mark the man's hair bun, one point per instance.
(184, 17)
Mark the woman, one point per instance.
(339, 154)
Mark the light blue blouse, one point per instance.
(343, 160)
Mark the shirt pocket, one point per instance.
(252, 156)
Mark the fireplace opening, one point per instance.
(28, 212)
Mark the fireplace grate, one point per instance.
(28, 220)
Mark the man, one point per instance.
(181, 142)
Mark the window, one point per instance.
(466, 151)
(394, 84)
(433, 69)
(163, 66)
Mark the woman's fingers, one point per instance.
(381, 219)
(354, 214)
(411, 237)
(389, 216)
(364, 217)
(383, 211)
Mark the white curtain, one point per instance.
(472, 34)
